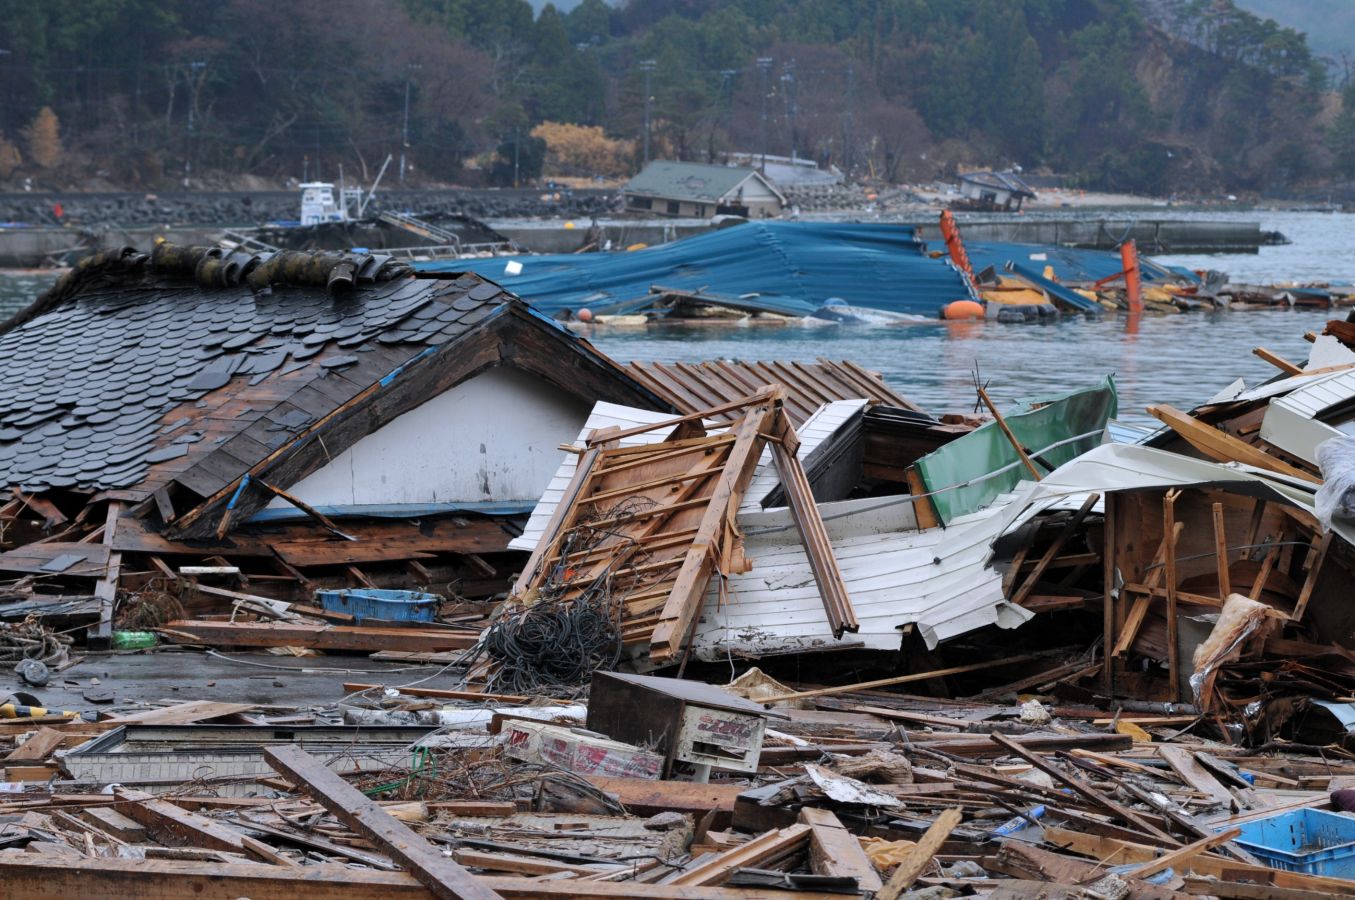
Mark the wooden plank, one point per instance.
(714, 869)
(1180, 855)
(1011, 438)
(1278, 361)
(444, 877)
(183, 713)
(38, 747)
(174, 826)
(833, 850)
(1310, 581)
(1223, 447)
(37, 877)
(1169, 573)
(100, 635)
(1195, 775)
(920, 855)
(923, 508)
(645, 797)
(1108, 597)
(837, 604)
(115, 823)
(1221, 552)
(320, 637)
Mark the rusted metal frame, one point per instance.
(795, 390)
(837, 605)
(828, 392)
(878, 384)
(690, 379)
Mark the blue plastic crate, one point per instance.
(1312, 841)
(388, 606)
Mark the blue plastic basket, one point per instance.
(388, 606)
(1313, 841)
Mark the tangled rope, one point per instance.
(31, 640)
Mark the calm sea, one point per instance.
(1181, 359)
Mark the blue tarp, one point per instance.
(790, 267)
(794, 266)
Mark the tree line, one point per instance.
(1153, 95)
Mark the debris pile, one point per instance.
(1030, 653)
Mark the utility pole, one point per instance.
(517, 142)
(764, 64)
(851, 104)
(647, 66)
(728, 88)
(194, 78)
(404, 130)
(788, 85)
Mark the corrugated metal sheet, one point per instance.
(801, 264)
(1291, 422)
(937, 579)
(1071, 264)
(695, 386)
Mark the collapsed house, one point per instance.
(301, 418)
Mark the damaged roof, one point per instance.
(193, 365)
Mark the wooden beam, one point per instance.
(307, 509)
(920, 855)
(177, 827)
(1278, 361)
(1108, 591)
(1006, 430)
(1194, 775)
(923, 508)
(1223, 447)
(833, 850)
(1169, 568)
(837, 605)
(715, 868)
(100, 635)
(1180, 855)
(444, 877)
(1065, 534)
(902, 679)
(1221, 552)
(37, 877)
(1310, 581)
(320, 637)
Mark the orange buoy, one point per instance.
(962, 309)
(584, 315)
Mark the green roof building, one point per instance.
(699, 190)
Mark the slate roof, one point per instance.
(191, 364)
(690, 181)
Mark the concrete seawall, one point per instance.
(29, 247)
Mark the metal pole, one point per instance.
(647, 66)
(851, 103)
(404, 133)
(764, 64)
(194, 67)
(728, 76)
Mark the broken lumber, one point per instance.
(444, 877)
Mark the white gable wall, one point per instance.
(494, 437)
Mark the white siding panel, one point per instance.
(494, 437)
(820, 426)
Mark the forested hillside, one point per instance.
(1161, 96)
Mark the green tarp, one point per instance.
(962, 472)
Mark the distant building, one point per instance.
(1004, 191)
(700, 190)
